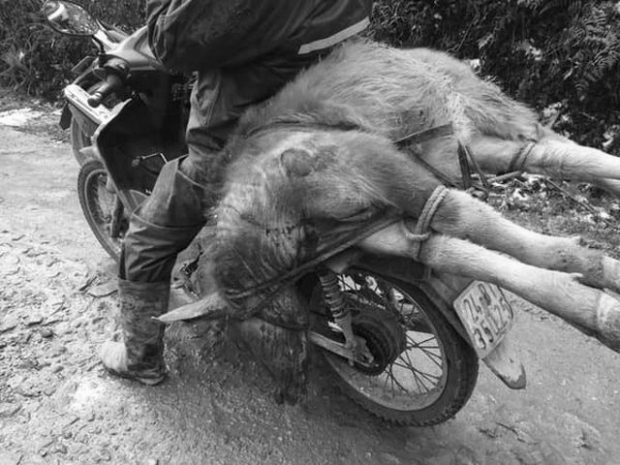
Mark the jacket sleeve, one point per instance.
(189, 35)
(184, 34)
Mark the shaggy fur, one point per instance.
(393, 93)
(322, 150)
(319, 161)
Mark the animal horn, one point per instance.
(211, 306)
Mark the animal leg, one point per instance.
(372, 171)
(551, 156)
(593, 311)
(462, 216)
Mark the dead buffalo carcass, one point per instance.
(345, 171)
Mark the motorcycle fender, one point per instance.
(504, 362)
(65, 117)
(87, 77)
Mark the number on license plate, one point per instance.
(486, 315)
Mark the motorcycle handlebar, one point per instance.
(112, 83)
(116, 72)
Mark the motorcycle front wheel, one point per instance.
(423, 371)
(102, 208)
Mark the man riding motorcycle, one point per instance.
(244, 52)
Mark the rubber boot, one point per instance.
(140, 355)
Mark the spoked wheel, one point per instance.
(103, 209)
(423, 372)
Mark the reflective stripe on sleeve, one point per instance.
(334, 39)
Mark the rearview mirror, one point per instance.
(70, 18)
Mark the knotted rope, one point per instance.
(422, 231)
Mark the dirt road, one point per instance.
(57, 405)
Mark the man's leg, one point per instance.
(162, 226)
(174, 213)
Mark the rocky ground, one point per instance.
(58, 406)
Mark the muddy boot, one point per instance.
(140, 355)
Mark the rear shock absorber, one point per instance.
(339, 310)
(333, 295)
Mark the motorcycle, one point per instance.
(420, 335)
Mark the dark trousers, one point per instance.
(174, 213)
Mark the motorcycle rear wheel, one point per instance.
(430, 380)
(99, 206)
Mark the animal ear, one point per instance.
(211, 307)
(296, 162)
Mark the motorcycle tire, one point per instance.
(415, 398)
(99, 204)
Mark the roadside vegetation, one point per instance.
(36, 60)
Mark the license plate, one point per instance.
(486, 315)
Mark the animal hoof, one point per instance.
(608, 322)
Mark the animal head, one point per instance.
(265, 222)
